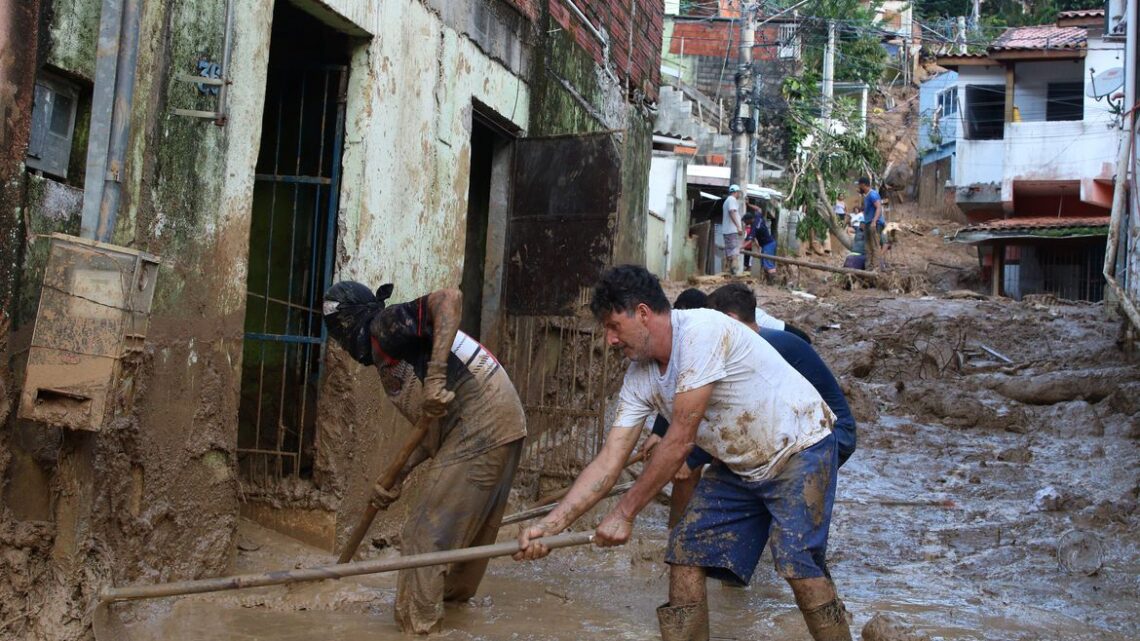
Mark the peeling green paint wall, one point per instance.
(572, 96)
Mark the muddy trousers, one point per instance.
(874, 249)
(461, 506)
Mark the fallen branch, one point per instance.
(873, 277)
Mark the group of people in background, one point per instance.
(746, 231)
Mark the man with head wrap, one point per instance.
(429, 367)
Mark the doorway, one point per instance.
(292, 238)
(486, 222)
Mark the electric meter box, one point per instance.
(92, 317)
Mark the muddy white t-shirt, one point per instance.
(761, 412)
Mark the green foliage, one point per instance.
(834, 157)
(1007, 13)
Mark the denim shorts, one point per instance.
(729, 520)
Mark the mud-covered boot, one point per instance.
(684, 622)
(828, 622)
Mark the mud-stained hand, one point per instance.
(436, 395)
(382, 498)
(614, 530)
(531, 547)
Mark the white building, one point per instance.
(1033, 128)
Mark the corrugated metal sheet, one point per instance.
(1039, 222)
(560, 237)
(1080, 13)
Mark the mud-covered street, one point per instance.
(987, 500)
(301, 289)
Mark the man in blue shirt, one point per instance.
(874, 220)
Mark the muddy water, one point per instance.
(936, 523)
(983, 566)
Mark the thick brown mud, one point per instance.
(986, 501)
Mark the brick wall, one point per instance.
(529, 8)
(636, 59)
(713, 39)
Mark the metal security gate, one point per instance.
(292, 236)
(561, 368)
(564, 204)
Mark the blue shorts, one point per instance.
(770, 249)
(728, 521)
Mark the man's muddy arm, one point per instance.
(688, 411)
(595, 481)
(446, 307)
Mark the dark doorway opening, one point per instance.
(485, 214)
(292, 235)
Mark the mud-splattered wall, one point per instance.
(153, 495)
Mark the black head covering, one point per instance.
(349, 308)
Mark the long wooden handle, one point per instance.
(339, 571)
(386, 481)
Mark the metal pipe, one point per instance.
(374, 566)
(102, 104)
(223, 92)
(601, 35)
(1118, 212)
(120, 121)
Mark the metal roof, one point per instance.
(1040, 37)
(1034, 227)
(1080, 13)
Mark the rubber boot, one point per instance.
(684, 622)
(828, 622)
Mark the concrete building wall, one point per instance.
(155, 495)
(667, 197)
(937, 131)
(1064, 150)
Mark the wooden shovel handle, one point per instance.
(386, 481)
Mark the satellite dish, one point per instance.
(1106, 82)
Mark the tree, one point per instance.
(829, 155)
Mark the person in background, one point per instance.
(763, 242)
(874, 220)
(855, 229)
(732, 227)
(841, 209)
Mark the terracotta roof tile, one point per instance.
(1040, 37)
(1039, 222)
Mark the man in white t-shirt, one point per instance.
(732, 226)
(726, 390)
